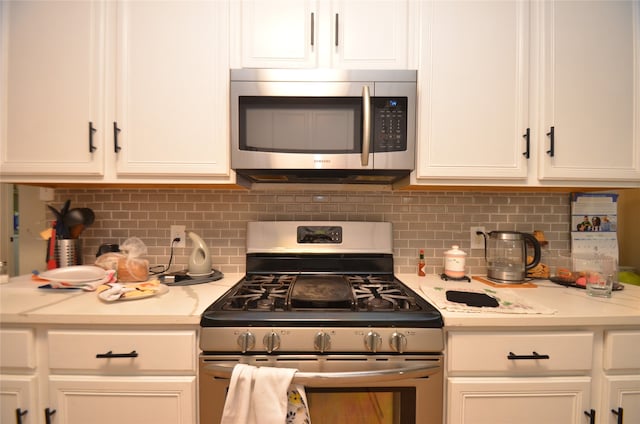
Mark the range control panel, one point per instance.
(320, 234)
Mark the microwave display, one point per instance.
(320, 124)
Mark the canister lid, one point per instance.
(455, 251)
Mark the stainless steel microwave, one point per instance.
(323, 125)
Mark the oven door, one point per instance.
(349, 389)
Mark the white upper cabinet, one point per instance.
(51, 70)
(473, 91)
(590, 90)
(567, 73)
(150, 78)
(276, 33)
(371, 34)
(354, 34)
(172, 88)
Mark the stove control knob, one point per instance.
(271, 341)
(322, 341)
(398, 342)
(372, 341)
(246, 341)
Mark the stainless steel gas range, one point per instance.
(322, 297)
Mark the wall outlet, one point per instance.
(178, 231)
(477, 240)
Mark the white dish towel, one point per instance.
(264, 395)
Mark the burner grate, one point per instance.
(263, 293)
(375, 293)
(260, 293)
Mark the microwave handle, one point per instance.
(366, 125)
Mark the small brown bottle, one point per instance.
(421, 264)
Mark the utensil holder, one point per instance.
(68, 252)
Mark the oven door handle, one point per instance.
(317, 379)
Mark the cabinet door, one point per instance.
(52, 79)
(368, 34)
(590, 92)
(549, 400)
(279, 33)
(622, 392)
(172, 88)
(123, 400)
(18, 392)
(473, 96)
(353, 34)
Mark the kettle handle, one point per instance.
(536, 251)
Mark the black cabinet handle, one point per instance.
(110, 354)
(618, 413)
(92, 130)
(47, 415)
(534, 355)
(527, 138)
(19, 414)
(313, 28)
(552, 141)
(337, 19)
(116, 130)
(592, 416)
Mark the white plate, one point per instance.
(74, 274)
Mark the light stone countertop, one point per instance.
(22, 302)
(572, 306)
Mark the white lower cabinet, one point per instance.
(128, 377)
(98, 376)
(18, 401)
(519, 377)
(122, 400)
(525, 400)
(18, 378)
(621, 396)
(622, 399)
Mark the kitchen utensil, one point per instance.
(506, 255)
(78, 216)
(65, 208)
(199, 260)
(62, 229)
(76, 230)
(51, 260)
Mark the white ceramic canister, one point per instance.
(454, 262)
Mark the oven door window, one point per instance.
(364, 405)
(300, 124)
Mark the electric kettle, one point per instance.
(506, 255)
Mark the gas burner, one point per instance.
(260, 293)
(378, 304)
(380, 294)
(264, 304)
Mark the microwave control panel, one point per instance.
(389, 124)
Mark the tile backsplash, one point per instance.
(429, 220)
